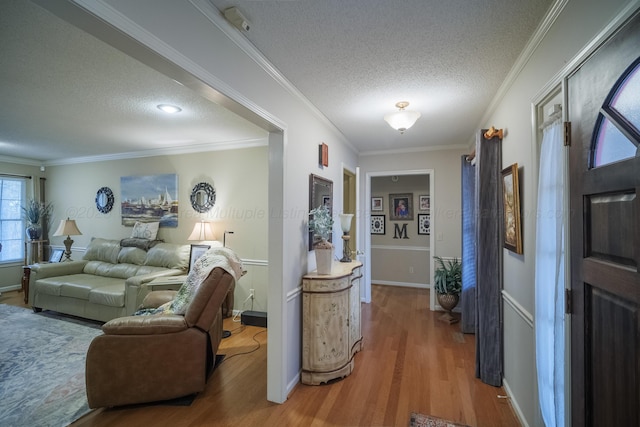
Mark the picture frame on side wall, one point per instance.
(511, 209)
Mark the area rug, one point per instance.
(42, 366)
(419, 420)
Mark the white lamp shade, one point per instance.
(402, 120)
(202, 231)
(67, 227)
(345, 222)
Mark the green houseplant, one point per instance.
(448, 285)
(321, 226)
(34, 212)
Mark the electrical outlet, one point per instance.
(252, 294)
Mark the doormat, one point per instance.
(419, 420)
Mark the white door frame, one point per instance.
(366, 229)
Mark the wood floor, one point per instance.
(411, 362)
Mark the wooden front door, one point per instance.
(604, 169)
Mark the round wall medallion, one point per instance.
(104, 200)
(203, 197)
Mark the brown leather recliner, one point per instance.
(142, 359)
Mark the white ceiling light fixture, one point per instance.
(171, 109)
(403, 119)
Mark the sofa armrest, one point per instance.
(136, 287)
(41, 271)
(156, 298)
(145, 325)
(52, 269)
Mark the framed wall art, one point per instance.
(377, 224)
(401, 207)
(376, 204)
(424, 223)
(511, 209)
(149, 198)
(424, 203)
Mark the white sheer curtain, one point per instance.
(549, 279)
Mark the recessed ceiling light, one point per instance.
(171, 109)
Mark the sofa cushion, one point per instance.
(168, 255)
(111, 295)
(75, 285)
(131, 255)
(106, 269)
(102, 250)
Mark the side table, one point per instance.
(26, 273)
(167, 283)
(34, 251)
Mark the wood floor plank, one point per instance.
(410, 362)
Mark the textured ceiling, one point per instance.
(73, 96)
(355, 59)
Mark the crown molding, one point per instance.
(216, 18)
(21, 161)
(201, 148)
(524, 57)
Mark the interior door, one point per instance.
(604, 169)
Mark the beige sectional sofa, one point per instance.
(109, 282)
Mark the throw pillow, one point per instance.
(145, 230)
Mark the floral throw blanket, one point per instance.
(215, 257)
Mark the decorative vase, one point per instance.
(448, 302)
(324, 257)
(34, 231)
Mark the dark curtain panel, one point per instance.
(488, 260)
(468, 298)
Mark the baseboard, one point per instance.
(514, 404)
(11, 288)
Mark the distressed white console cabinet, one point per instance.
(331, 333)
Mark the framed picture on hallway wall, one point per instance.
(401, 207)
(511, 209)
(377, 224)
(424, 224)
(376, 203)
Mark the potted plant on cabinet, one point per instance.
(321, 225)
(448, 284)
(34, 212)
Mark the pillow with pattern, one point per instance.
(145, 230)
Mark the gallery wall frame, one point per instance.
(424, 224)
(401, 207)
(378, 224)
(376, 204)
(424, 203)
(511, 209)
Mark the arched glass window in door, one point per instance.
(616, 135)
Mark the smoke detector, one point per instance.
(233, 15)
